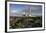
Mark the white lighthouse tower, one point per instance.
(30, 12)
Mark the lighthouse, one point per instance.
(27, 11)
(30, 12)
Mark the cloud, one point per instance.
(13, 11)
(35, 9)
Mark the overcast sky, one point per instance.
(16, 9)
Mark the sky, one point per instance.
(18, 9)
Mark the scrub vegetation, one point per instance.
(25, 22)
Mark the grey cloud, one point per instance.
(36, 11)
